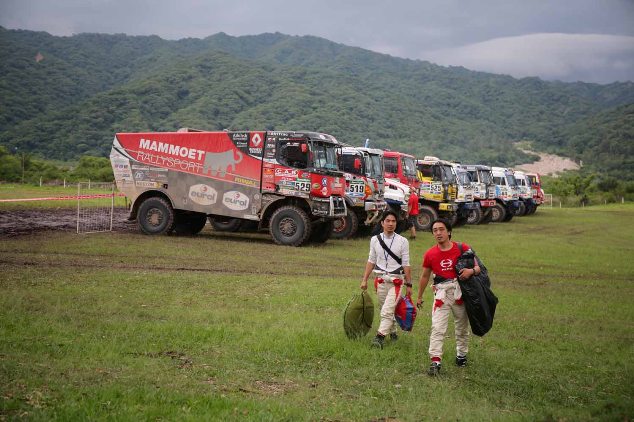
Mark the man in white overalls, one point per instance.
(389, 260)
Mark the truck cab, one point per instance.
(483, 192)
(506, 194)
(536, 189)
(525, 194)
(401, 167)
(467, 206)
(365, 185)
(287, 182)
(437, 191)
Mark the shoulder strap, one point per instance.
(388, 250)
(460, 247)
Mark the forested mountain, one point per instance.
(82, 89)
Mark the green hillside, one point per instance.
(89, 86)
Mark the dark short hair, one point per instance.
(445, 222)
(389, 212)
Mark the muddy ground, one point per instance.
(29, 221)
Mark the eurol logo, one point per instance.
(235, 200)
(203, 194)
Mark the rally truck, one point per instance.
(365, 184)
(467, 206)
(288, 182)
(483, 193)
(536, 189)
(526, 205)
(401, 167)
(506, 194)
(437, 192)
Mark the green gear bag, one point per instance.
(358, 315)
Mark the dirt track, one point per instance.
(23, 222)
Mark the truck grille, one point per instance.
(338, 205)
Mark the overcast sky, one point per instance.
(568, 40)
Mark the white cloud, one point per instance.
(566, 57)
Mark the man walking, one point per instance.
(412, 211)
(441, 260)
(389, 260)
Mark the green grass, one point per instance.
(230, 327)
(16, 191)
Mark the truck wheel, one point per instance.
(475, 216)
(321, 232)
(289, 226)
(189, 224)
(426, 216)
(345, 227)
(453, 219)
(155, 216)
(498, 213)
(486, 216)
(509, 216)
(225, 224)
(521, 210)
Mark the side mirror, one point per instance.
(304, 148)
(357, 164)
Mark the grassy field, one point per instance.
(122, 326)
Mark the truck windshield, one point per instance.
(485, 176)
(464, 177)
(377, 167)
(409, 167)
(510, 180)
(448, 175)
(324, 155)
(347, 164)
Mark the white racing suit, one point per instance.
(448, 298)
(388, 291)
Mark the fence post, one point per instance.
(622, 200)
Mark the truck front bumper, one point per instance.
(447, 207)
(335, 206)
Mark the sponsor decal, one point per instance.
(235, 200)
(316, 185)
(147, 184)
(446, 264)
(268, 170)
(203, 194)
(324, 190)
(244, 181)
(304, 175)
(256, 141)
(282, 172)
(324, 182)
(171, 149)
(140, 175)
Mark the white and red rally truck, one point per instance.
(288, 182)
(365, 185)
(536, 189)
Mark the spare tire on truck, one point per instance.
(290, 226)
(155, 216)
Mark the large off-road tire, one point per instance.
(426, 216)
(532, 210)
(498, 213)
(155, 216)
(453, 219)
(487, 215)
(461, 220)
(321, 232)
(225, 224)
(509, 216)
(521, 210)
(290, 226)
(189, 224)
(345, 227)
(475, 216)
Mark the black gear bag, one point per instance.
(479, 300)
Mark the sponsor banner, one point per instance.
(203, 194)
(284, 172)
(147, 184)
(121, 168)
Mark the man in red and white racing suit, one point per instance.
(441, 260)
(390, 275)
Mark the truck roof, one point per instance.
(428, 159)
(472, 167)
